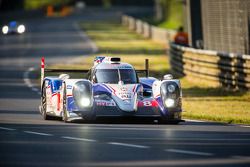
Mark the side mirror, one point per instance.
(168, 77)
(64, 76)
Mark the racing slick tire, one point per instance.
(44, 105)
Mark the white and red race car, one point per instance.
(112, 89)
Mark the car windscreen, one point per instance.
(111, 76)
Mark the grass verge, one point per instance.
(204, 102)
(200, 101)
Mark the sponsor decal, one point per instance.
(148, 103)
(69, 86)
(123, 89)
(125, 96)
(105, 103)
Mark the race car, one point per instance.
(112, 89)
(13, 28)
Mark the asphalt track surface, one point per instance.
(28, 140)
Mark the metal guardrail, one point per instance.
(224, 69)
(217, 68)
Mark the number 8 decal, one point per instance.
(147, 103)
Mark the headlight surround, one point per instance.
(5, 29)
(21, 29)
(82, 93)
(170, 94)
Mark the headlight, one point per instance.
(85, 102)
(171, 88)
(169, 102)
(5, 29)
(21, 29)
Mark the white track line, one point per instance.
(26, 77)
(37, 133)
(34, 89)
(200, 121)
(27, 81)
(192, 120)
(79, 139)
(3, 128)
(128, 145)
(240, 157)
(245, 126)
(189, 152)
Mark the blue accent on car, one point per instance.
(147, 82)
(55, 84)
(101, 89)
(69, 86)
(100, 58)
(13, 24)
(161, 106)
(71, 104)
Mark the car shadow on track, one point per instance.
(125, 120)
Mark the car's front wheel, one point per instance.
(44, 104)
(65, 114)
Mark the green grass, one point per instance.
(200, 101)
(174, 16)
(35, 4)
(204, 102)
(115, 39)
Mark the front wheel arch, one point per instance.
(44, 103)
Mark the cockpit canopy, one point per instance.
(113, 76)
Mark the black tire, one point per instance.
(65, 116)
(44, 105)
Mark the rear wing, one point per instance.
(146, 70)
(43, 69)
(55, 70)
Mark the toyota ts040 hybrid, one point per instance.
(112, 89)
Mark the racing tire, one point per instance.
(44, 105)
(65, 115)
